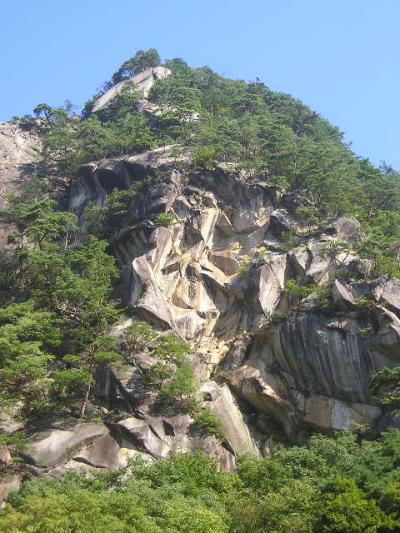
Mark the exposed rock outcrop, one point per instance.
(217, 278)
(142, 83)
(20, 154)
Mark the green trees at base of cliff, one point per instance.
(334, 484)
(58, 303)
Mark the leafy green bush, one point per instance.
(243, 270)
(295, 293)
(345, 507)
(210, 423)
(323, 296)
(385, 386)
(142, 60)
(139, 336)
(205, 156)
(338, 484)
(278, 317)
(165, 219)
(308, 215)
(181, 387)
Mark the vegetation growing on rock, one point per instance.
(60, 292)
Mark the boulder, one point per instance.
(388, 293)
(217, 278)
(10, 423)
(333, 414)
(212, 447)
(141, 433)
(389, 420)
(5, 456)
(347, 229)
(272, 282)
(322, 355)
(341, 295)
(8, 483)
(20, 154)
(268, 394)
(56, 446)
(225, 407)
(280, 221)
(104, 452)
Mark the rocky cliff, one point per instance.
(217, 278)
(271, 365)
(20, 154)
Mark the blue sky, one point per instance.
(341, 57)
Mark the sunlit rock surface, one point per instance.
(217, 276)
(142, 83)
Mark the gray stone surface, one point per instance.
(8, 483)
(225, 407)
(141, 82)
(56, 446)
(19, 158)
(5, 456)
(217, 278)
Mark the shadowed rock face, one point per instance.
(217, 278)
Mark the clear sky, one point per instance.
(341, 57)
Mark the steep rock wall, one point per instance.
(217, 277)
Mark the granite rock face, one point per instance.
(20, 154)
(142, 83)
(217, 276)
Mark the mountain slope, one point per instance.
(223, 277)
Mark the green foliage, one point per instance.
(207, 421)
(117, 129)
(171, 349)
(339, 483)
(273, 136)
(243, 270)
(172, 374)
(57, 308)
(79, 371)
(104, 220)
(15, 441)
(27, 338)
(289, 240)
(181, 387)
(138, 336)
(346, 508)
(323, 297)
(385, 386)
(141, 61)
(57, 303)
(205, 156)
(295, 293)
(39, 222)
(165, 219)
(308, 215)
(278, 318)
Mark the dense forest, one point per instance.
(59, 279)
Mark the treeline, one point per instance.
(331, 485)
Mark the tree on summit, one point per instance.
(142, 60)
